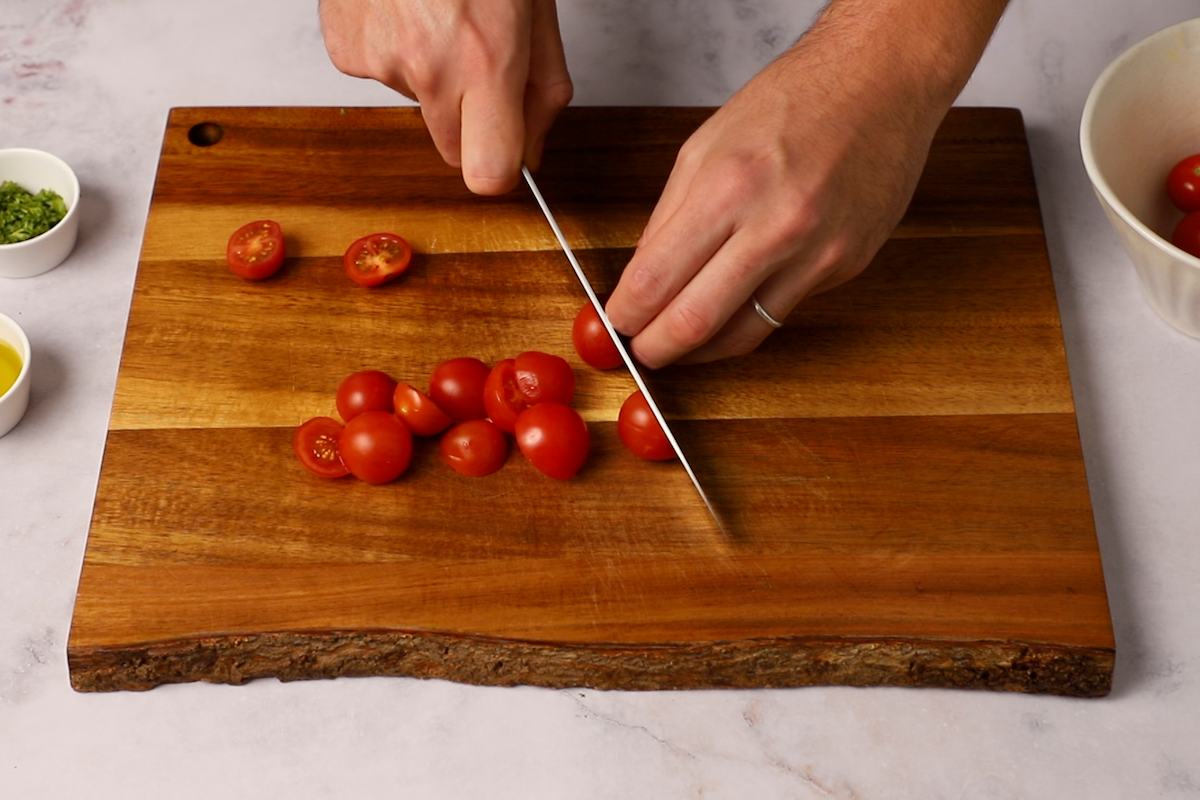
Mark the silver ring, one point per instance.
(766, 315)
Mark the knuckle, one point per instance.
(559, 93)
(689, 326)
(646, 285)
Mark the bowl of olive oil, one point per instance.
(14, 373)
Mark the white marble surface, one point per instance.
(92, 81)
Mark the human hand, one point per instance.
(490, 75)
(788, 190)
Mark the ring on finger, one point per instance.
(766, 315)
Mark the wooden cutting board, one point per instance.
(900, 465)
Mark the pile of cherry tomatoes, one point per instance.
(1183, 187)
(474, 408)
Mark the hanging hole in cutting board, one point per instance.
(205, 134)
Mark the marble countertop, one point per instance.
(92, 81)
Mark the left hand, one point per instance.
(787, 190)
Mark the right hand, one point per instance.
(490, 75)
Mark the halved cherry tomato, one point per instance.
(316, 445)
(554, 438)
(457, 388)
(255, 250)
(502, 399)
(640, 431)
(419, 412)
(474, 448)
(376, 447)
(368, 390)
(1183, 184)
(591, 340)
(515, 384)
(377, 258)
(1187, 234)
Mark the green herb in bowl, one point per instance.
(24, 215)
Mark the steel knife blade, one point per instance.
(620, 344)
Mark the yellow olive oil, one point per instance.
(10, 367)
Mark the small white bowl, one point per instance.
(1143, 116)
(14, 402)
(36, 170)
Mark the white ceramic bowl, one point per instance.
(36, 170)
(1141, 117)
(14, 402)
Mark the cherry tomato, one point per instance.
(554, 438)
(1183, 184)
(420, 414)
(369, 390)
(515, 384)
(255, 250)
(457, 388)
(1187, 234)
(640, 431)
(544, 378)
(376, 447)
(591, 340)
(474, 448)
(316, 445)
(502, 399)
(377, 258)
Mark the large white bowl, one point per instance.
(36, 170)
(1141, 117)
(14, 402)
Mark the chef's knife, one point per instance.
(621, 348)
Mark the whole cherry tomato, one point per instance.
(255, 250)
(1183, 184)
(316, 445)
(554, 438)
(368, 390)
(591, 340)
(457, 388)
(419, 412)
(640, 432)
(1187, 234)
(474, 448)
(376, 446)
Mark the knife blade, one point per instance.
(620, 344)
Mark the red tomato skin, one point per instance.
(422, 416)
(376, 447)
(366, 390)
(1187, 234)
(244, 252)
(457, 388)
(544, 378)
(1183, 184)
(474, 448)
(316, 445)
(554, 438)
(502, 400)
(377, 258)
(640, 432)
(591, 340)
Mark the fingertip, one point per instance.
(490, 185)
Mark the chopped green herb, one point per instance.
(24, 215)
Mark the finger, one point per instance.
(744, 332)
(779, 295)
(679, 183)
(443, 118)
(703, 307)
(493, 125)
(665, 263)
(549, 89)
